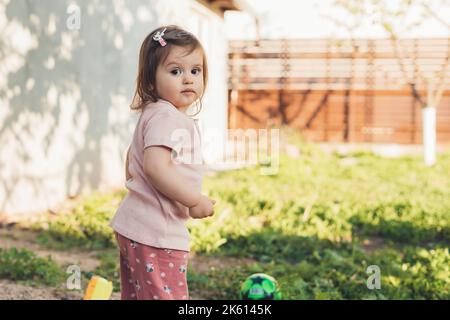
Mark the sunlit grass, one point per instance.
(309, 226)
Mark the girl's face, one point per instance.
(179, 79)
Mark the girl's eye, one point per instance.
(196, 71)
(176, 72)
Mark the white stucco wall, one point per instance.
(213, 117)
(64, 92)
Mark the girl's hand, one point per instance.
(203, 209)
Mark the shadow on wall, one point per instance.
(64, 96)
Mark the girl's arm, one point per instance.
(127, 173)
(159, 168)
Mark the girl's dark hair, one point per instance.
(152, 54)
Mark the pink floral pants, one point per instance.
(149, 273)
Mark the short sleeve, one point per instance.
(165, 129)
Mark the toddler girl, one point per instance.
(163, 168)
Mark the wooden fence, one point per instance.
(338, 90)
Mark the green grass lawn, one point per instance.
(315, 226)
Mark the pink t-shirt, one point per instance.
(146, 215)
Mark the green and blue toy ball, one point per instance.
(260, 286)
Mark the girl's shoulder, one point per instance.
(161, 106)
(161, 111)
(157, 107)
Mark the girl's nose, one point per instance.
(187, 79)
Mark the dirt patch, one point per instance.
(10, 290)
(372, 244)
(204, 264)
(26, 239)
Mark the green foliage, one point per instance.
(311, 221)
(23, 265)
(309, 226)
(109, 267)
(87, 226)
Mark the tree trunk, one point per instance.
(429, 135)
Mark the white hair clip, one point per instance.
(159, 37)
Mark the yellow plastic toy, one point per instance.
(98, 289)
